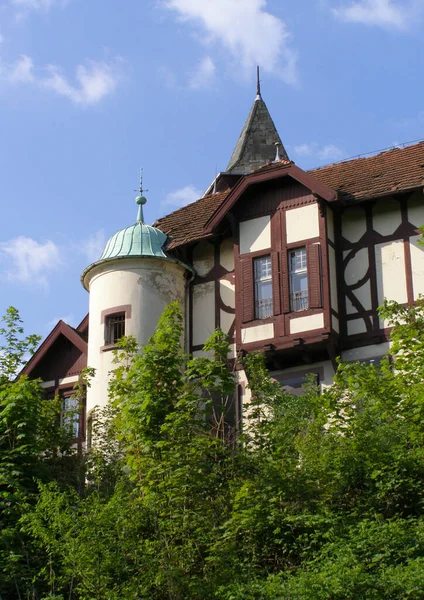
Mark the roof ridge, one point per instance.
(371, 154)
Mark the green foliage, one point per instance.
(32, 448)
(321, 497)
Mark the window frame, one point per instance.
(122, 310)
(258, 281)
(74, 414)
(292, 273)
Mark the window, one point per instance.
(71, 414)
(295, 383)
(114, 328)
(263, 287)
(298, 275)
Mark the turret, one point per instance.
(129, 287)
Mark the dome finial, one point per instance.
(141, 200)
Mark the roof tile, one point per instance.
(358, 179)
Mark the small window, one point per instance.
(114, 328)
(298, 275)
(263, 287)
(71, 414)
(295, 383)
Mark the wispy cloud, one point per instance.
(93, 246)
(328, 152)
(69, 319)
(382, 13)
(28, 261)
(24, 7)
(245, 30)
(183, 196)
(93, 81)
(203, 75)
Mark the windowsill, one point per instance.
(108, 347)
(256, 322)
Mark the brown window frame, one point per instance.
(280, 280)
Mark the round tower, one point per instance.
(129, 287)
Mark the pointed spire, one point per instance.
(140, 200)
(256, 144)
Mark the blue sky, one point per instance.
(92, 90)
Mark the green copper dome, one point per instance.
(137, 240)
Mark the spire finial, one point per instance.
(140, 200)
(258, 83)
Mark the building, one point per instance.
(288, 262)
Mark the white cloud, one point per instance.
(329, 152)
(68, 319)
(94, 81)
(23, 7)
(93, 246)
(29, 261)
(203, 75)
(183, 196)
(382, 13)
(245, 30)
(21, 71)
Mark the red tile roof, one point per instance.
(186, 224)
(361, 178)
(391, 171)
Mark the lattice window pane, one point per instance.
(263, 287)
(298, 280)
(70, 414)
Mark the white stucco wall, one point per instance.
(391, 276)
(203, 258)
(335, 323)
(257, 333)
(226, 254)
(417, 264)
(203, 312)
(302, 223)
(227, 320)
(356, 326)
(353, 224)
(255, 235)
(386, 216)
(308, 323)
(357, 266)
(148, 285)
(228, 292)
(416, 209)
(333, 278)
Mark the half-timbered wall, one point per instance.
(381, 259)
(212, 296)
(273, 220)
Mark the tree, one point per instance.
(30, 443)
(320, 498)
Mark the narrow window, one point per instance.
(298, 275)
(263, 287)
(114, 328)
(71, 414)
